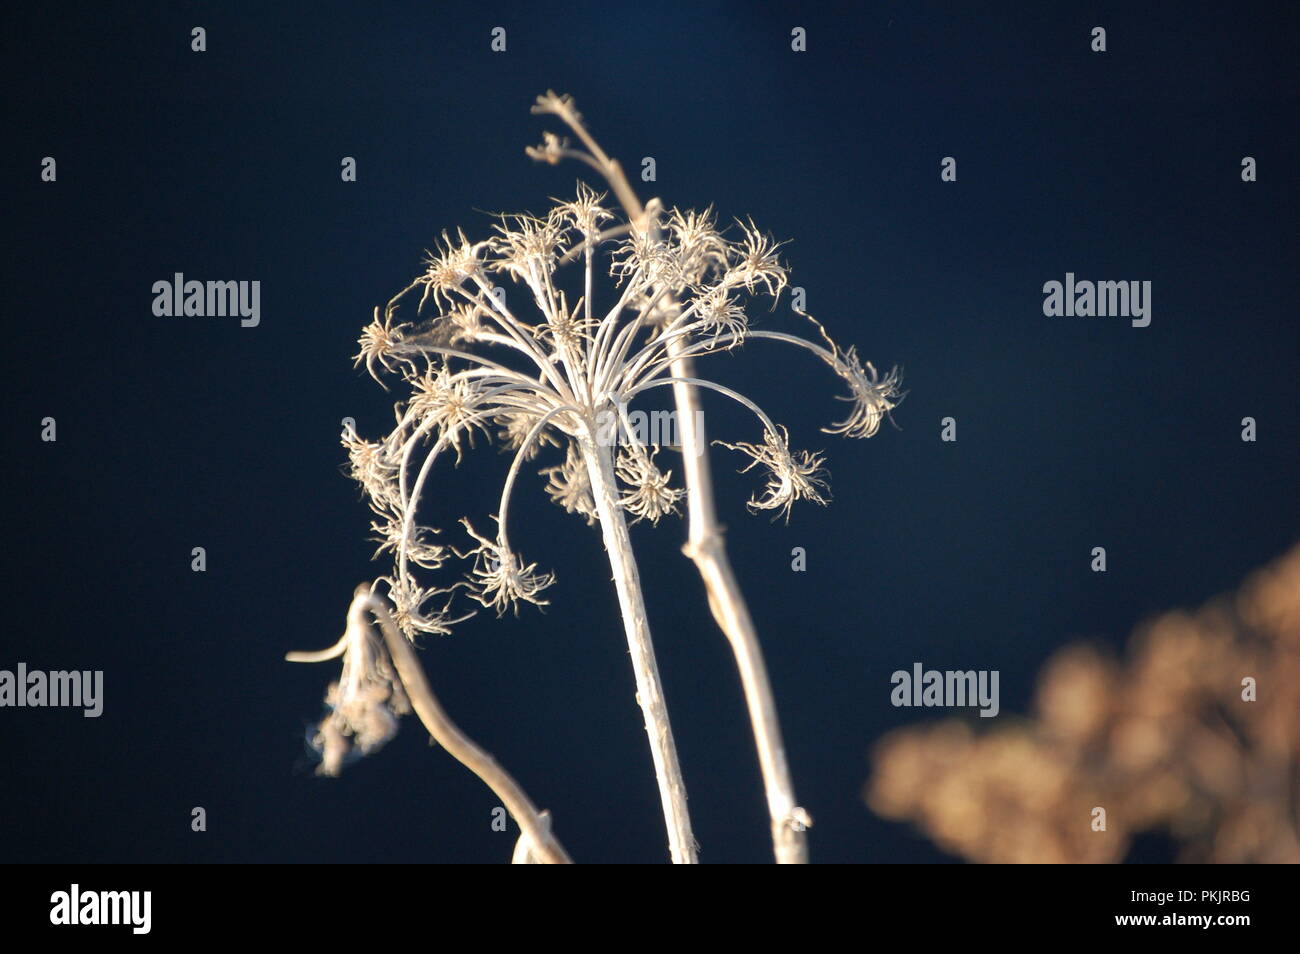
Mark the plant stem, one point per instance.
(649, 694)
(446, 733)
(705, 546)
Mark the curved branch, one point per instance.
(514, 467)
(712, 386)
(447, 734)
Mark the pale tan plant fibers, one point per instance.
(1168, 738)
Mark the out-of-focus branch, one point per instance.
(1194, 731)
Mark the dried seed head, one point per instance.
(372, 465)
(410, 607)
(393, 536)
(791, 475)
(500, 580)
(450, 402)
(516, 425)
(701, 249)
(645, 260)
(526, 245)
(569, 486)
(585, 213)
(679, 294)
(755, 261)
(873, 396)
(650, 495)
(449, 267)
(566, 330)
(378, 342)
(723, 319)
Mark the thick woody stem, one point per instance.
(649, 688)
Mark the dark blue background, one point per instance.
(175, 433)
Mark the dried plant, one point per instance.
(1195, 734)
(537, 365)
(381, 680)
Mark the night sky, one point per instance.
(182, 432)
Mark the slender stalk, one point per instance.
(649, 694)
(446, 733)
(706, 548)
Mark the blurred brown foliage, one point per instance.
(1163, 740)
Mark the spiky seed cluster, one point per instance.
(792, 475)
(449, 404)
(412, 609)
(723, 317)
(391, 533)
(755, 261)
(873, 396)
(503, 581)
(379, 341)
(569, 486)
(585, 213)
(371, 464)
(449, 267)
(515, 426)
(649, 495)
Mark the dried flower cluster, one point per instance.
(1168, 740)
(539, 370)
(363, 707)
